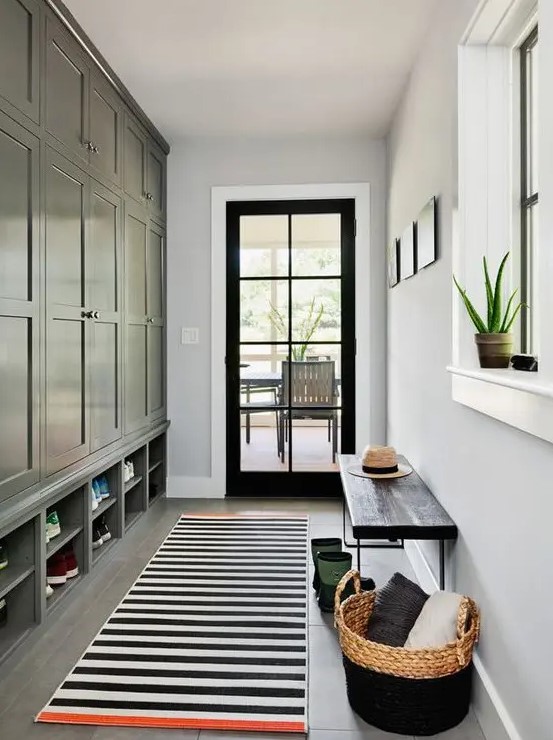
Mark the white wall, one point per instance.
(195, 166)
(494, 481)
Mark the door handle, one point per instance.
(86, 314)
(89, 146)
(95, 315)
(149, 320)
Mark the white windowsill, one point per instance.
(522, 402)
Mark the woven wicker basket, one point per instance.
(409, 691)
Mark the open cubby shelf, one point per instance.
(130, 484)
(23, 581)
(106, 504)
(12, 576)
(67, 535)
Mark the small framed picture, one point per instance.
(393, 263)
(407, 253)
(427, 235)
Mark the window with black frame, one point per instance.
(529, 182)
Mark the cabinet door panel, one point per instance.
(103, 288)
(155, 271)
(135, 264)
(105, 384)
(64, 237)
(18, 453)
(19, 308)
(19, 55)
(16, 213)
(156, 372)
(105, 130)
(136, 410)
(66, 93)
(156, 181)
(66, 391)
(135, 161)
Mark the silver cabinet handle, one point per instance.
(95, 149)
(149, 321)
(95, 314)
(86, 314)
(149, 196)
(89, 146)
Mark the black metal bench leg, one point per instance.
(442, 565)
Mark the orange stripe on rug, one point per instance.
(170, 722)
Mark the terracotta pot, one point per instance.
(494, 350)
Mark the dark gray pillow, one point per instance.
(396, 608)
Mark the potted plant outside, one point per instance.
(306, 329)
(494, 339)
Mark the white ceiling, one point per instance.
(261, 67)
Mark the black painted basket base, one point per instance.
(408, 706)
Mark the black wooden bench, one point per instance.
(394, 509)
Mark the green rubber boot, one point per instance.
(332, 566)
(323, 544)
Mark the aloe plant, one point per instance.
(499, 321)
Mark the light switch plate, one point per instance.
(190, 335)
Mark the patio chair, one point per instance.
(306, 385)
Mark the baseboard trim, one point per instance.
(491, 712)
(186, 486)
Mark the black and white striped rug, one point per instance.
(212, 635)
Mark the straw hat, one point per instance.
(380, 462)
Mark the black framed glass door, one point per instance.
(290, 345)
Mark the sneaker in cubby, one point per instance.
(53, 526)
(56, 570)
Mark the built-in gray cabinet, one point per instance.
(155, 282)
(106, 129)
(104, 269)
(67, 316)
(82, 254)
(19, 45)
(144, 170)
(66, 95)
(19, 307)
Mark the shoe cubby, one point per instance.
(18, 613)
(157, 469)
(18, 606)
(105, 526)
(71, 510)
(134, 489)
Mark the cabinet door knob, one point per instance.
(89, 146)
(149, 196)
(149, 320)
(86, 314)
(95, 314)
(95, 149)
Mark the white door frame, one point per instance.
(215, 486)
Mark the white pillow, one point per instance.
(437, 623)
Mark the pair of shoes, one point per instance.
(53, 526)
(3, 555)
(61, 566)
(100, 490)
(3, 613)
(100, 533)
(331, 564)
(128, 470)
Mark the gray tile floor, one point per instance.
(31, 676)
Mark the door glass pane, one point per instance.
(263, 310)
(263, 440)
(315, 440)
(263, 246)
(316, 311)
(261, 373)
(316, 244)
